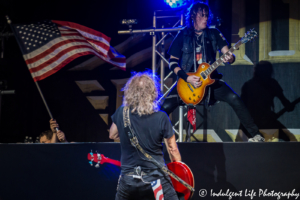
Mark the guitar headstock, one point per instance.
(100, 159)
(95, 158)
(250, 35)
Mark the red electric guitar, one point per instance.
(100, 159)
(178, 168)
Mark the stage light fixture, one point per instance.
(177, 3)
(181, 3)
(129, 21)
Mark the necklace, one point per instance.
(197, 36)
(198, 31)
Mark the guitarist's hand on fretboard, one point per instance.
(229, 58)
(194, 80)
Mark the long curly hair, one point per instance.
(192, 13)
(141, 93)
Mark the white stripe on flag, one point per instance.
(64, 28)
(50, 44)
(60, 60)
(66, 32)
(69, 54)
(55, 52)
(156, 185)
(88, 35)
(158, 194)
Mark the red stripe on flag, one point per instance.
(161, 197)
(157, 189)
(53, 48)
(82, 28)
(72, 34)
(60, 54)
(100, 44)
(58, 67)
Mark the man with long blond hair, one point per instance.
(151, 127)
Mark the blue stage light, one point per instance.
(181, 3)
(177, 3)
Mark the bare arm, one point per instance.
(53, 125)
(113, 132)
(172, 149)
(54, 138)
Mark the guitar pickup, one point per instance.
(203, 75)
(190, 87)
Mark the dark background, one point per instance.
(24, 114)
(62, 171)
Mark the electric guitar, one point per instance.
(178, 168)
(282, 111)
(191, 95)
(101, 159)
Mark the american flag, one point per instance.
(157, 189)
(50, 45)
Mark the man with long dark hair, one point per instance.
(151, 127)
(195, 44)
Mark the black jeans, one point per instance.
(220, 91)
(135, 189)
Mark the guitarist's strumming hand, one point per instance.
(194, 80)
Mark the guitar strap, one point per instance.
(134, 142)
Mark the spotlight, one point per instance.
(177, 3)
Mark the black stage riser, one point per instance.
(62, 171)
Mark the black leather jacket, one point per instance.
(209, 52)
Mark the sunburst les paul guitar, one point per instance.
(178, 168)
(191, 95)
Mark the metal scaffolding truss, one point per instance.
(161, 14)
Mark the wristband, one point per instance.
(182, 74)
(233, 59)
(173, 63)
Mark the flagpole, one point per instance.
(36, 83)
(44, 100)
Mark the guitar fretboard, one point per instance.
(218, 62)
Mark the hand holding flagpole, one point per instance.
(49, 45)
(36, 83)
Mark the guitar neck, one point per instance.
(111, 161)
(218, 62)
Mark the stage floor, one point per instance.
(62, 171)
